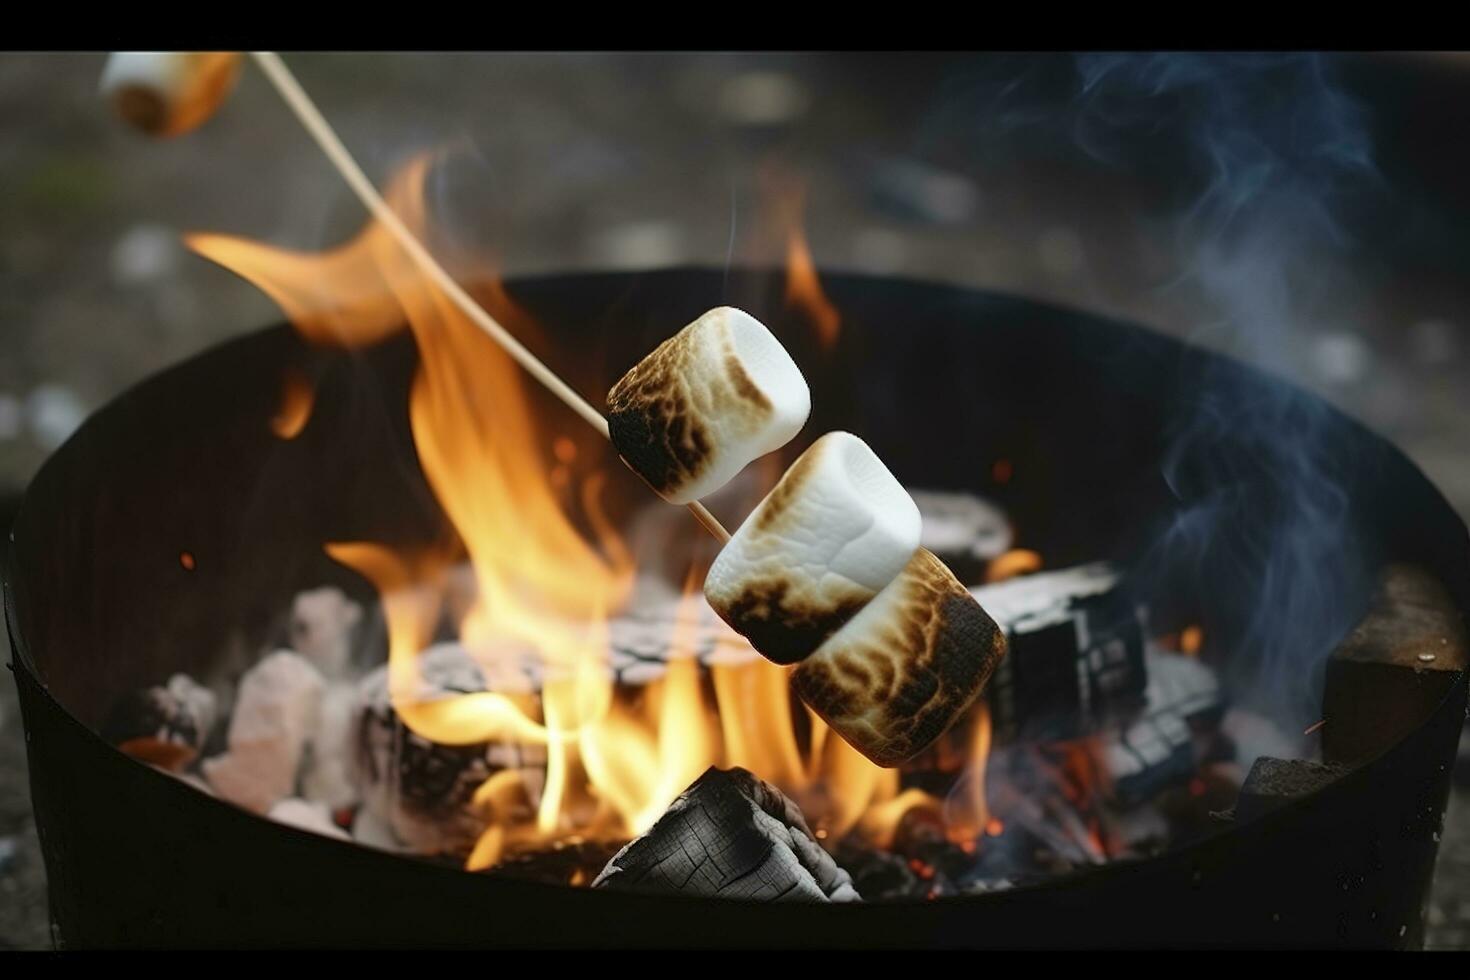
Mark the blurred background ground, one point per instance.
(1308, 215)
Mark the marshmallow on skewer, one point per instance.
(828, 538)
(167, 93)
(904, 669)
(716, 395)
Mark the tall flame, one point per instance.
(544, 589)
(785, 195)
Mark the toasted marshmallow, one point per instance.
(906, 667)
(828, 537)
(708, 400)
(166, 93)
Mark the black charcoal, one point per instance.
(730, 835)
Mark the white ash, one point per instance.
(276, 712)
(327, 774)
(322, 625)
(422, 792)
(958, 525)
(307, 816)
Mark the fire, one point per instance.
(787, 197)
(549, 570)
(297, 398)
(966, 811)
(804, 290)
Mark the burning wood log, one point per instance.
(420, 791)
(1395, 667)
(730, 835)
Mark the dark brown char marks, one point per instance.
(892, 692)
(660, 414)
(780, 626)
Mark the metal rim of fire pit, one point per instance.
(277, 881)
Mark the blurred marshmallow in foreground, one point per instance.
(716, 395)
(168, 93)
(828, 537)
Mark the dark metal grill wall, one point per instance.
(942, 381)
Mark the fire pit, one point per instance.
(170, 533)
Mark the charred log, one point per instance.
(1076, 653)
(730, 835)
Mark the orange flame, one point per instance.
(786, 196)
(543, 590)
(804, 290)
(966, 811)
(1017, 561)
(297, 398)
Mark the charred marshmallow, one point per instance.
(716, 395)
(906, 666)
(828, 537)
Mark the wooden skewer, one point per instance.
(316, 124)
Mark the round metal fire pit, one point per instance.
(942, 381)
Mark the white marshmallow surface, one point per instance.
(834, 531)
(707, 401)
